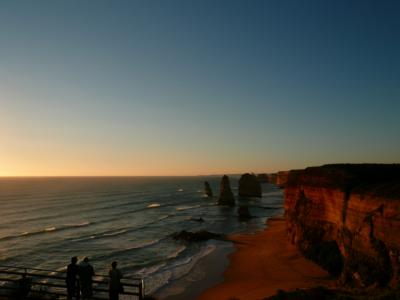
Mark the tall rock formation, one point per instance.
(282, 178)
(244, 213)
(225, 195)
(249, 186)
(207, 189)
(347, 218)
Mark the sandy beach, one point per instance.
(264, 263)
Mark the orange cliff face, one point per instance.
(280, 178)
(347, 219)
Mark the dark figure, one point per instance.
(24, 287)
(72, 279)
(86, 273)
(115, 285)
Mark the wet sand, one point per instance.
(264, 263)
(207, 273)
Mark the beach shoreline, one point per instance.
(264, 263)
(207, 272)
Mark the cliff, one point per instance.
(280, 178)
(347, 218)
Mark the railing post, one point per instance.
(141, 289)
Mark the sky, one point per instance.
(109, 88)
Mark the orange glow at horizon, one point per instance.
(34, 159)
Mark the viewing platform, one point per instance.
(30, 283)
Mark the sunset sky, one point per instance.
(196, 87)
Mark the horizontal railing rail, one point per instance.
(52, 283)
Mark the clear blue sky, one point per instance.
(197, 87)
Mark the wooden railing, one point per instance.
(31, 283)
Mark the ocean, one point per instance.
(46, 221)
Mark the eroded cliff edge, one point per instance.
(346, 217)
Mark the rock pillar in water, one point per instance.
(249, 186)
(225, 195)
(207, 189)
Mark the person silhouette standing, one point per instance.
(115, 286)
(86, 273)
(72, 280)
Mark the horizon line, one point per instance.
(119, 176)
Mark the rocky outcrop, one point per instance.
(225, 195)
(280, 178)
(244, 213)
(347, 218)
(267, 178)
(207, 189)
(197, 236)
(262, 178)
(249, 186)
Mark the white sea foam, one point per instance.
(177, 252)
(153, 205)
(49, 229)
(156, 281)
(179, 208)
(181, 269)
(146, 272)
(175, 270)
(115, 233)
(142, 245)
(85, 223)
(82, 224)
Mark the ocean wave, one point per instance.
(180, 190)
(177, 269)
(181, 268)
(153, 205)
(157, 281)
(115, 233)
(178, 251)
(180, 208)
(82, 224)
(45, 230)
(126, 250)
(147, 271)
(164, 217)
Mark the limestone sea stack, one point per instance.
(249, 186)
(207, 189)
(280, 178)
(225, 195)
(346, 217)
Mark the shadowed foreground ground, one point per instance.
(264, 263)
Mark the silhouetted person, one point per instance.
(72, 279)
(86, 273)
(115, 286)
(24, 286)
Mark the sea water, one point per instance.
(45, 221)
